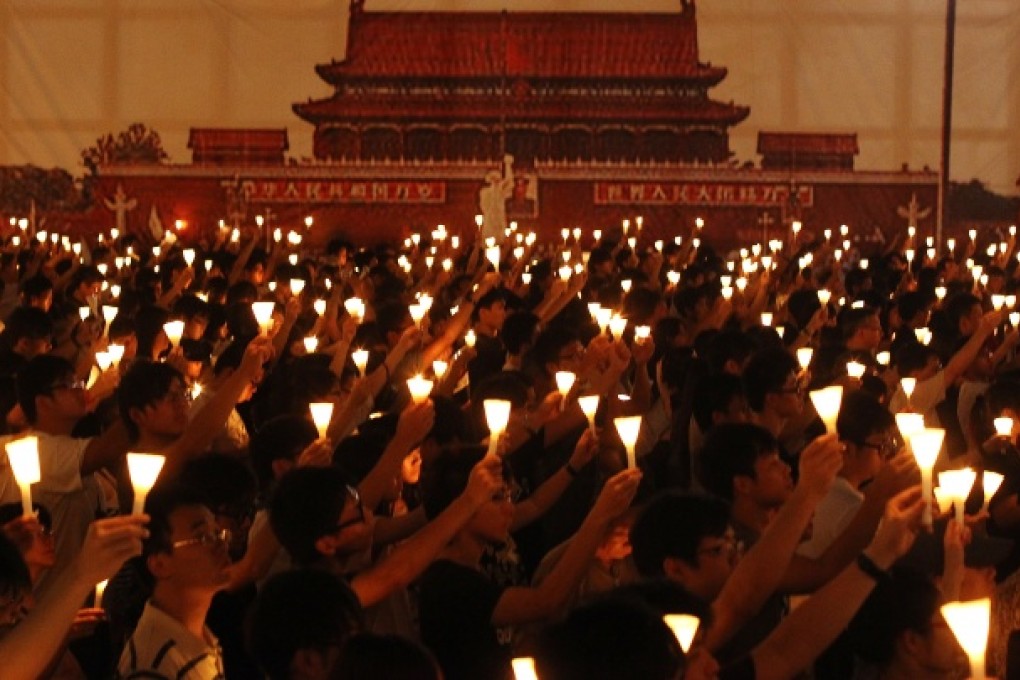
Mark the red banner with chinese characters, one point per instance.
(698, 193)
(345, 191)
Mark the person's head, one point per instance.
(556, 349)
(771, 382)
(519, 331)
(15, 582)
(913, 309)
(728, 352)
(47, 386)
(900, 625)
(195, 313)
(37, 291)
(84, 283)
(229, 361)
(276, 445)
(186, 552)
(392, 319)
(866, 428)
(862, 329)
(721, 399)
(149, 331)
(963, 314)
(385, 657)
(300, 621)
(685, 538)
(229, 489)
(317, 515)
(152, 400)
(740, 462)
(491, 310)
(28, 332)
(445, 478)
(34, 539)
(609, 638)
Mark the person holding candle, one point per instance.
(154, 408)
(53, 401)
(186, 554)
(232, 438)
(867, 432)
(462, 611)
(30, 646)
(774, 391)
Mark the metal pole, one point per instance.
(942, 218)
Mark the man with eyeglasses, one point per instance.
(53, 401)
(867, 432)
(187, 556)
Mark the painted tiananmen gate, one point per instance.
(600, 117)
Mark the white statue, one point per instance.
(120, 205)
(499, 186)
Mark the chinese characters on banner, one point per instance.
(345, 191)
(699, 193)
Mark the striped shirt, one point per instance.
(162, 649)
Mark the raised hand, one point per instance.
(898, 528)
(485, 481)
(108, 544)
(819, 462)
(616, 496)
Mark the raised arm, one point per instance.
(410, 558)
(29, 647)
(414, 425)
(965, 356)
(759, 573)
(523, 605)
(538, 503)
(815, 624)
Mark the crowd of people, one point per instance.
(472, 505)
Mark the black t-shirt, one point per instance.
(740, 670)
(455, 610)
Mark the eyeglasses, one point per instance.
(360, 519)
(209, 538)
(797, 389)
(729, 546)
(886, 449)
(68, 385)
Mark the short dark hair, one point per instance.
(161, 502)
(225, 482)
(446, 477)
(715, 392)
(38, 378)
(730, 451)
(281, 438)
(726, 346)
(29, 323)
(306, 506)
(672, 525)
(519, 331)
(912, 356)
(142, 385)
(853, 319)
(956, 308)
(766, 373)
(386, 657)
(860, 416)
(611, 637)
(907, 600)
(36, 286)
(301, 609)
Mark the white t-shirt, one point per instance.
(927, 395)
(832, 516)
(73, 501)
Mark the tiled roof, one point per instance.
(408, 109)
(807, 143)
(211, 139)
(521, 44)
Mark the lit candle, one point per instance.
(296, 286)
(908, 385)
(322, 413)
(311, 344)
(990, 483)
(617, 324)
(116, 353)
(23, 455)
(419, 388)
(925, 444)
(144, 468)
(883, 358)
(470, 338)
(590, 406)
(804, 355)
(684, 627)
(824, 295)
(189, 256)
(827, 401)
(264, 315)
(1003, 426)
(958, 484)
(360, 357)
(855, 369)
(642, 333)
(766, 319)
(969, 622)
(524, 668)
(100, 589)
(439, 368)
(497, 415)
(174, 330)
(629, 427)
(564, 381)
(103, 360)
